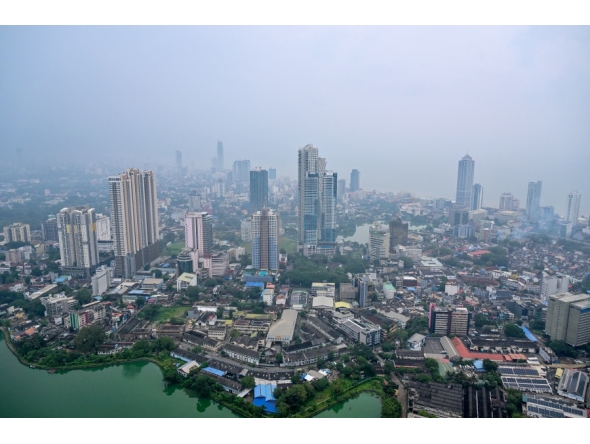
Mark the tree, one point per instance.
(408, 262)
(150, 312)
(513, 331)
(234, 333)
(210, 283)
(83, 296)
(89, 339)
(490, 366)
(219, 312)
(164, 343)
(248, 382)
(283, 251)
(158, 274)
(279, 358)
(391, 408)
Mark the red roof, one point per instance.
(466, 354)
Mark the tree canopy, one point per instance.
(89, 339)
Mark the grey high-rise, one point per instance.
(477, 198)
(241, 171)
(464, 194)
(533, 201)
(219, 156)
(258, 189)
(78, 242)
(355, 181)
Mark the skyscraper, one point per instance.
(355, 181)
(317, 194)
(134, 220)
(49, 229)
(219, 156)
(477, 197)
(272, 173)
(241, 171)
(398, 233)
(573, 207)
(198, 232)
(463, 197)
(508, 202)
(258, 189)
(178, 160)
(265, 240)
(341, 189)
(78, 241)
(533, 201)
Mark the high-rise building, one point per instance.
(194, 201)
(134, 220)
(241, 171)
(272, 173)
(573, 207)
(341, 189)
(258, 189)
(17, 233)
(553, 284)
(49, 229)
(355, 181)
(364, 283)
(317, 194)
(398, 233)
(265, 240)
(198, 232)
(458, 216)
(378, 241)
(477, 197)
(448, 321)
(219, 156)
(533, 201)
(103, 227)
(508, 202)
(464, 197)
(179, 159)
(568, 318)
(78, 241)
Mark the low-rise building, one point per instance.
(186, 280)
(242, 354)
(362, 332)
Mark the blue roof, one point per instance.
(254, 284)
(214, 371)
(528, 334)
(478, 364)
(263, 397)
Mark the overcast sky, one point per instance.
(401, 104)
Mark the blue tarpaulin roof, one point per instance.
(254, 284)
(528, 334)
(214, 371)
(263, 397)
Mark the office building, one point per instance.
(355, 181)
(258, 189)
(78, 241)
(272, 173)
(379, 242)
(219, 156)
(448, 321)
(49, 229)
(508, 202)
(178, 160)
(56, 304)
(398, 233)
(553, 284)
(458, 216)
(364, 284)
(362, 332)
(101, 281)
(265, 240)
(317, 195)
(464, 198)
(533, 201)
(17, 233)
(573, 208)
(477, 197)
(194, 201)
(568, 318)
(198, 232)
(241, 171)
(187, 261)
(134, 220)
(246, 230)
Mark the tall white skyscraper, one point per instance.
(78, 240)
(508, 202)
(573, 207)
(477, 197)
(533, 201)
(198, 232)
(265, 240)
(464, 194)
(134, 220)
(317, 196)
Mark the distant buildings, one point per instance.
(198, 232)
(49, 229)
(272, 173)
(464, 198)
(241, 171)
(134, 220)
(477, 197)
(568, 318)
(573, 207)
(533, 201)
(103, 227)
(258, 189)
(220, 164)
(508, 202)
(355, 181)
(265, 240)
(78, 241)
(341, 189)
(179, 160)
(17, 233)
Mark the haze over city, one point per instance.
(401, 104)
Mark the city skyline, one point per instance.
(505, 94)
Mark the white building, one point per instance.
(186, 280)
(103, 227)
(268, 296)
(101, 281)
(379, 241)
(573, 207)
(246, 230)
(552, 285)
(78, 242)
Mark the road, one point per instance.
(401, 391)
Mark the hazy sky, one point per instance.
(401, 104)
